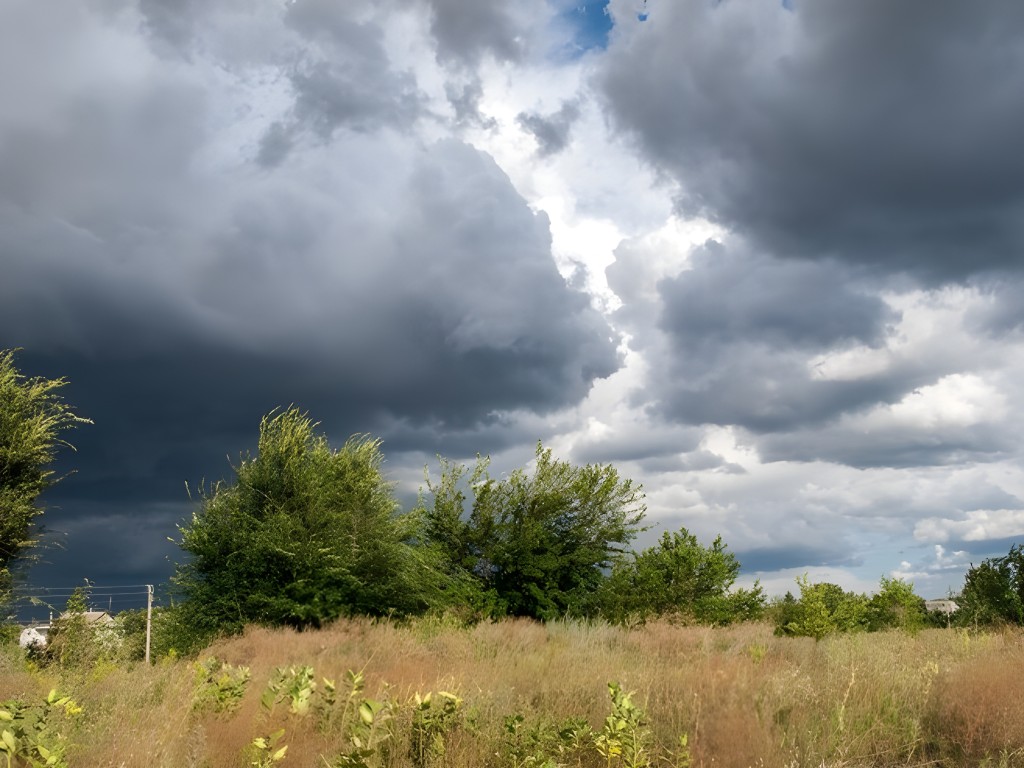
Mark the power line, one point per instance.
(88, 587)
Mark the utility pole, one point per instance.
(149, 618)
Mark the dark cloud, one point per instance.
(979, 550)
(898, 446)
(879, 136)
(376, 279)
(739, 333)
(766, 559)
(551, 131)
(728, 296)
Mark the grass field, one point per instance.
(741, 697)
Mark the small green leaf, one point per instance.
(365, 713)
(267, 699)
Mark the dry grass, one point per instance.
(743, 696)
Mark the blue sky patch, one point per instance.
(591, 22)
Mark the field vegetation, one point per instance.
(517, 692)
(502, 621)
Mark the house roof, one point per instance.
(93, 617)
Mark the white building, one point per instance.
(943, 606)
(34, 636)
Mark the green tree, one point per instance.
(304, 535)
(678, 576)
(537, 544)
(33, 416)
(824, 609)
(895, 606)
(994, 591)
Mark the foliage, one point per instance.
(305, 534)
(679, 577)
(994, 591)
(895, 606)
(536, 544)
(296, 685)
(172, 633)
(625, 736)
(368, 728)
(219, 686)
(365, 724)
(75, 643)
(433, 720)
(265, 752)
(824, 609)
(32, 736)
(545, 744)
(33, 416)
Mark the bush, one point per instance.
(679, 577)
(304, 535)
(823, 609)
(994, 591)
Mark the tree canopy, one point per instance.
(304, 534)
(33, 416)
(994, 590)
(679, 577)
(536, 543)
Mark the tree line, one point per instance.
(305, 534)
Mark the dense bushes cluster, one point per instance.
(825, 609)
(307, 534)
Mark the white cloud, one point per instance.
(976, 525)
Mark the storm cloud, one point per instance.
(883, 136)
(187, 276)
(764, 257)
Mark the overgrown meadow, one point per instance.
(431, 692)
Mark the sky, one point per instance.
(764, 257)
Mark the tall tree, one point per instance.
(994, 590)
(33, 416)
(538, 543)
(304, 535)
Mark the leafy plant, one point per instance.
(30, 735)
(264, 751)
(544, 744)
(219, 686)
(433, 721)
(366, 734)
(625, 736)
(296, 685)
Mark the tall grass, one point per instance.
(742, 696)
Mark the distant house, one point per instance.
(942, 606)
(96, 619)
(34, 636)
